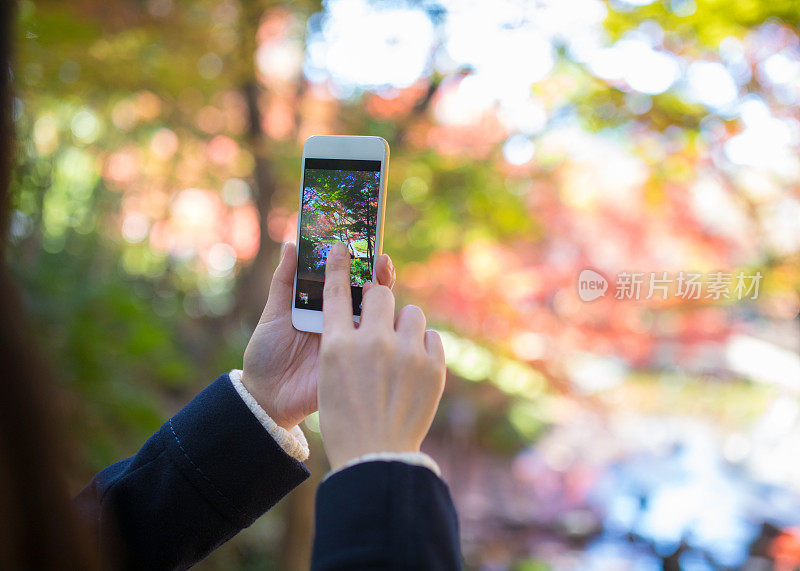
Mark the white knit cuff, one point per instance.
(413, 458)
(292, 441)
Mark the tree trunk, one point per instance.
(254, 282)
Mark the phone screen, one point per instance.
(340, 204)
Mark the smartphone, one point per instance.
(342, 199)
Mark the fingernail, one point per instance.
(283, 250)
(338, 250)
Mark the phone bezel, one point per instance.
(339, 147)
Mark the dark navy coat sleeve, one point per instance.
(385, 515)
(209, 472)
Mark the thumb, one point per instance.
(282, 286)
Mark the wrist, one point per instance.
(266, 401)
(348, 456)
(292, 441)
(411, 458)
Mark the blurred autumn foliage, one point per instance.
(158, 171)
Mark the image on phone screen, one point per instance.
(340, 204)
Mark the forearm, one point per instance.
(210, 471)
(293, 441)
(385, 515)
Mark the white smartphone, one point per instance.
(342, 199)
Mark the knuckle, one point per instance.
(334, 343)
(416, 360)
(336, 289)
(337, 263)
(409, 354)
(381, 342)
(327, 349)
(434, 365)
(381, 292)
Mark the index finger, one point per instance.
(337, 303)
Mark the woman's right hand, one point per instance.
(380, 383)
(281, 364)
